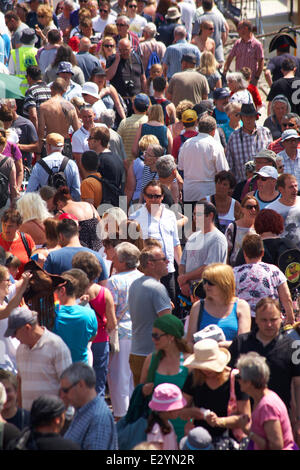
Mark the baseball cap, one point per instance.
(55, 139)
(189, 116)
(65, 67)
(90, 88)
(19, 317)
(289, 134)
(141, 101)
(220, 93)
(268, 172)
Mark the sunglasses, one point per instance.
(121, 24)
(132, 6)
(157, 337)
(251, 207)
(67, 389)
(208, 282)
(153, 196)
(262, 178)
(41, 16)
(103, 11)
(108, 45)
(288, 124)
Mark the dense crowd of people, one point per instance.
(150, 229)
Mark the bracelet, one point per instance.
(222, 423)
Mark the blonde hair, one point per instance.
(46, 11)
(183, 106)
(146, 140)
(32, 206)
(155, 113)
(105, 39)
(232, 107)
(208, 63)
(110, 30)
(222, 275)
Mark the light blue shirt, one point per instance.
(163, 229)
(174, 53)
(291, 166)
(39, 176)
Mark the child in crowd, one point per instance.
(156, 70)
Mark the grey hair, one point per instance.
(281, 99)
(293, 116)
(165, 165)
(151, 28)
(70, 4)
(207, 124)
(158, 150)
(254, 368)
(237, 77)
(180, 31)
(80, 371)
(3, 396)
(124, 18)
(129, 254)
(108, 117)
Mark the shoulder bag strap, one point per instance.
(64, 164)
(45, 166)
(25, 243)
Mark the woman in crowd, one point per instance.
(238, 87)
(33, 211)
(270, 424)
(207, 392)
(228, 209)
(107, 48)
(101, 301)
(155, 126)
(45, 18)
(9, 431)
(279, 107)
(209, 68)
(11, 148)
(86, 214)
(221, 306)
(120, 381)
(17, 243)
(52, 242)
(233, 112)
(171, 350)
(203, 41)
(11, 412)
(64, 54)
(134, 176)
(236, 231)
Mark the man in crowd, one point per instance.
(289, 121)
(86, 61)
(290, 140)
(80, 137)
(150, 44)
(37, 93)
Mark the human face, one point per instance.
(279, 109)
(160, 263)
(222, 187)
(108, 47)
(132, 7)
(265, 184)
(23, 334)
(288, 124)
(68, 393)
(290, 189)
(212, 289)
(268, 321)
(261, 162)
(9, 230)
(221, 103)
(87, 117)
(125, 49)
(66, 76)
(291, 145)
(150, 159)
(104, 11)
(100, 80)
(93, 143)
(11, 395)
(156, 71)
(250, 208)
(159, 338)
(232, 85)
(122, 27)
(5, 284)
(209, 28)
(153, 195)
(249, 122)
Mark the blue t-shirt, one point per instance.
(76, 325)
(59, 261)
(229, 324)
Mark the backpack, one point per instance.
(3, 186)
(153, 59)
(110, 192)
(288, 262)
(56, 179)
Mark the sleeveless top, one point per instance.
(264, 204)
(225, 219)
(229, 324)
(98, 304)
(159, 131)
(179, 380)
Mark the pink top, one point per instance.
(99, 305)
(169, 441)
(270, 408)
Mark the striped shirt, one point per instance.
(127, 130)
(35, 96)
(243, 147)
(247, 54)
(41, 366)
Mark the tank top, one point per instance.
(264, 204)
(225, 219)
(229, 324)
(179, 380)
(159, 131)
(98, 304)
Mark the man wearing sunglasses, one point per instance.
(290, 140)
(266, 192)
(105, 17)
(289, 121)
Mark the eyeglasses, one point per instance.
(160, 259)
(132, 6)
(121, 24)
(157, 337)
(208, 282)
(153, 196)
(67, 389)
(288, 124)
(251, 207)
(103, 11)
(108, 45)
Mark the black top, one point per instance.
(111, 167)
(273, 247)
(279, 354)
(10, 433)
(274, 65)
(214, 400)
(54, 441)
(283, 86)
(130, 69)
(21, 419)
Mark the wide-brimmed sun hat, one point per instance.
(208, 356)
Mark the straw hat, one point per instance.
(208, 355)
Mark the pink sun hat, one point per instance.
(167, 397)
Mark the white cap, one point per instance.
(268, 172)
(90, 88)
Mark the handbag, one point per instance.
(232, 405)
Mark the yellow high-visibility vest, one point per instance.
(23, 57)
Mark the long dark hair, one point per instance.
(155, 417)
(64, 54)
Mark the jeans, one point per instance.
(100, 364)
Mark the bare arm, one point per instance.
(177, 254)
(286, 300)
(33, 116)
(268, 77)
(144, 83)
(19, 172)
(14, 193)
(16, 300)
(171, 111)
(116, 99)
(130, 184)
(29, 147)
(244, 317)
(170, 141)
(193, 321)
(41, 128)
(110, 311)
(227, 64)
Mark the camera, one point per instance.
(129, 85)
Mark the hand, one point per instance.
(189, 425)
(212, 419)
(148, 388)
(243, 422)
(182, 279)
(84, 299)
(39, 31)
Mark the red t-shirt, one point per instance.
(17, 249)
(177, 142)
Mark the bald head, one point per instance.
(124, 48)
(84, 45)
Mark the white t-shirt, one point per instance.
(291, 216)
(98, 108)
(99, 24)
